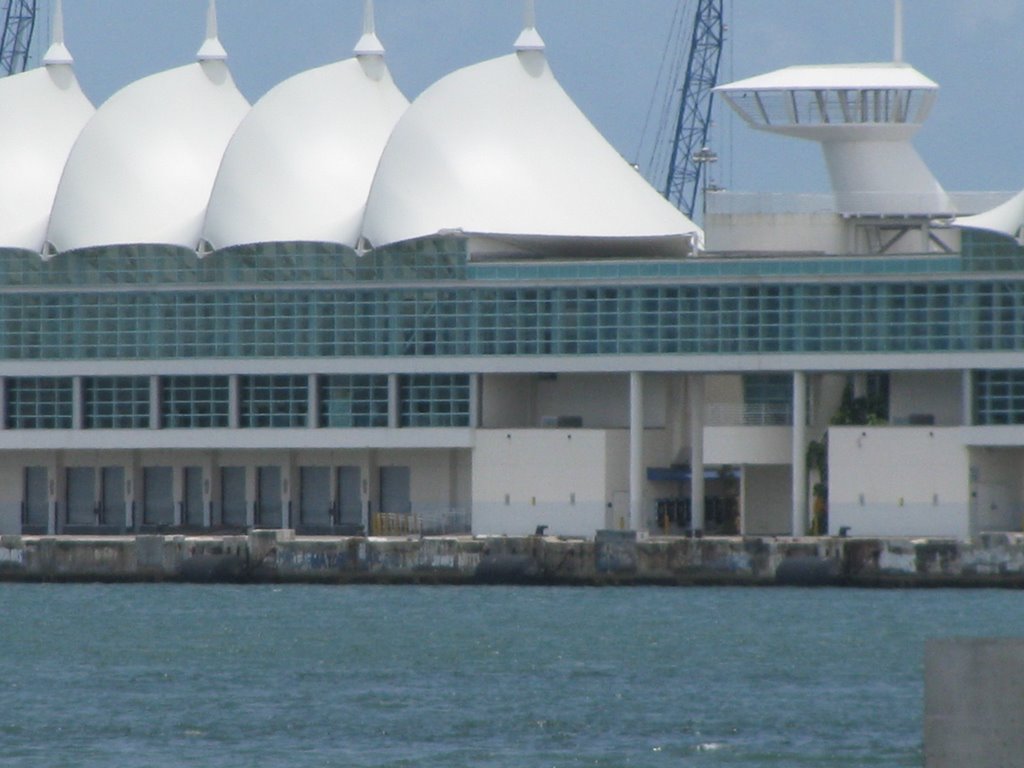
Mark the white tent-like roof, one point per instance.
(142, 170)
(42, 111)
(498, 151)
(300, 166)
(1006, 219)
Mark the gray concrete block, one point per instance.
(974, 703)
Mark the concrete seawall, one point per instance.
(614, 558)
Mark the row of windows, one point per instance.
(564, 320)
(998, 397)
(123, 402)
(268, 263)
(445, 260)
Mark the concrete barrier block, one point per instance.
(615, 552)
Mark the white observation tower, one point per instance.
(864, 116)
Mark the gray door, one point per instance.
(232, 497)
(394, 490)
(158, 495)
(37, 497)
(81, 495)
(193, 516)
(112, 496)
(268, 487)
(315, 496)
(350, 498)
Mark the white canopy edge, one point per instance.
(868, 76)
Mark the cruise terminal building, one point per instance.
(469, 314)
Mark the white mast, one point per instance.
(369, 44)
(897, 47)
(529, 39)
(58, 53)
(211, 49)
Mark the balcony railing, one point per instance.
(749, 415)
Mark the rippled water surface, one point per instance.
(410, 676)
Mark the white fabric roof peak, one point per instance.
(211, 49)
(529, 39)
(369, 44)
(58, 53)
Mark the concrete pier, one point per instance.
(613, 558)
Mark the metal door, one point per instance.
(37, 497)
(268, 489)
(193, 512)
(350, 497)
(112, 499)
(395, 485)
(80, 495)
(158, 496)
(315, 496)
(232, 497)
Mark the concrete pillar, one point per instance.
(78, 403)
(313, 400)
(393, 401)
(3, 403)
(799, 457)
(636, 451)
(695, 391)
(967, 398)
(154, 402)
(474, 400)
(234, 401)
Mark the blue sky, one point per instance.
(607, 54)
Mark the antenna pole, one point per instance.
(897, 48)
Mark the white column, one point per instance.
(967, 398)
(636, 451)
(3, 403)
(695, 393)
(799, 456)
(393, 401)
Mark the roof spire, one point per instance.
(211, 49)
(369, 44)
(897, 46)
(58, 52)
(529, 39)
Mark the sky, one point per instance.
(607, 54)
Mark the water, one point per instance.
(406, 676)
